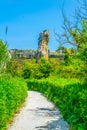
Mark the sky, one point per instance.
(25, 19)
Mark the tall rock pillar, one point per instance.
(43, 44)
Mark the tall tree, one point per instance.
(75, 24)
(4, 55)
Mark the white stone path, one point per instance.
(38, 114)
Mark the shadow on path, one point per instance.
(56, 122)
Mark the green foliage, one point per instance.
(26, 73)
(70, 95)
(15, 67)
(32, 69)
(74, 68)
(4, 56)
(80, 37)
(67, 59)
(12, 94)
(36, 70)
(3, 51)
(55, 64)
(45, 68)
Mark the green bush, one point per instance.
(15, 67)
(69, 95)
(26, 73)
(75, 69)
(12, 94)
(75, 100)
(39, 70)
(45, 68)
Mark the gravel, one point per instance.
(38, 114)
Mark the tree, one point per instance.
(61, 49)
(75, 33)
(82, 10)
(4, 55)
(80, 35)
(74, 24)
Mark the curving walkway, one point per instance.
(38, 114)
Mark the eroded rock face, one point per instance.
(43, 44)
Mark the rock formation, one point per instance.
(43, 44)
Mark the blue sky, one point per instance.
(27, 18)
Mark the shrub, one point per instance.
(26, 73)
(75, 98)
(31, 69)
(75, 69)
(15, 67)
(45, 68)
(36, 70)
(12, 94)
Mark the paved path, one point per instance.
(38, 114)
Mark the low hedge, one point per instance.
(12, 94)
(70, 96)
